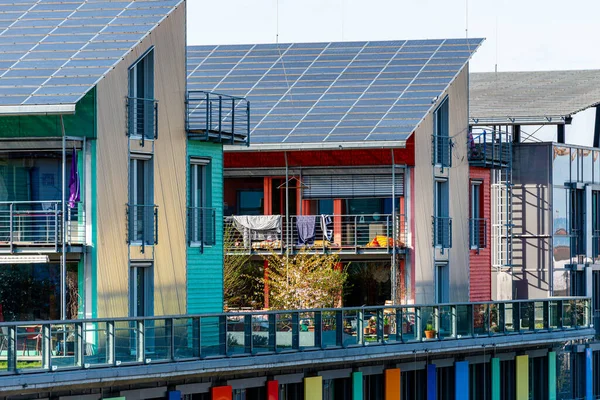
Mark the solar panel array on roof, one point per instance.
(53, 52)
(332, 92)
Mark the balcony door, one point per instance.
(202, 222)
(577, 219)
(141, 96)
(141, 200)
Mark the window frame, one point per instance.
(200, 167)
(134, 269)
(145, 61)
(442, 276)
(441, 135)
(441, 210)
(147, 237)
(476, 213)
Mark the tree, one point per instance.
(305, 280)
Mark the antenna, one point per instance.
(342, 20)
(277, 29)
(497, 39)
(467, 19)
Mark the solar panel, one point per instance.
(54, 52)
(332, 92)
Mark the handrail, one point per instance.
(115, 342)
(202, 226)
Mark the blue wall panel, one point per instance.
(589, 383)
(431, 382)
(461, 375)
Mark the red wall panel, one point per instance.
(481, 262)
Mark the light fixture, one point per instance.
(24, 259)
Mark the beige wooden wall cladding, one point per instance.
(168, 40)
(458, 176)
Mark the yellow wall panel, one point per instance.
(313, 388)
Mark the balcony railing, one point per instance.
(489, 149)
(40, 224)
(201, 226)
(142, 118)
(442, 232)
(596, 246)
(354, 234)
(218, 117)
(477, 233)
(49, 346)
(441, 150)
(142, 224)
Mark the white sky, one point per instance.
(521, 34)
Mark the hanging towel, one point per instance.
(306, 229)
(258, 227)
(326, 227)
(74, 188)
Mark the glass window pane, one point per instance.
(586, 162)
(561, 166)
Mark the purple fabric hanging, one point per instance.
(74, 195)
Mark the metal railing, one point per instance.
(442, 232)
(478, 233)
(47, 346)
(142, 224)
(201, 226)
(596, 246)
(218, 117)
(441, 150)
(490, 148)
(142, 118)
(40, 223)
(362, 233)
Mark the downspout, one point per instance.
(287, 216)
(394, 236)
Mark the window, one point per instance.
(442, 223)
(441, 136)
(141, 102)
(477, 224)
(202, 215)
(577, 210)
(250, 202)
(442, 283)
(141, 289)
(142, 212)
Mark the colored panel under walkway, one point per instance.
(313, 388)
(589, 382)
(392, 384)
(495, 378)
(221, 393)
(272, 390)
(431, 382)
(357, 386)
(461, 380)
(522, 377)
(551, 375)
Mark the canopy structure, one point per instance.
(53, 52)
(326, 95)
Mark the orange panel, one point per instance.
(268, 195)
(221, 393)
(266, 286)
(337, 221)
(392, 384)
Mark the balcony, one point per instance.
(218, 118)
(490, 150)
(441, 151)
(39, 226)
(61, 352)
(142, 119)
(201, 227)
(345, 234)
(442, 232)
(142, 225)
(478, 233)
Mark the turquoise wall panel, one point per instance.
(551, 375)
(205, 268)
(357, 386)
(495, 378)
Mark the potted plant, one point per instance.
(371, 327)
(429, 331)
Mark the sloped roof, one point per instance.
(330, 94)
(529, 97)
(53, 52)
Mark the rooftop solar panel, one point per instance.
(54, 52)
(332, 92)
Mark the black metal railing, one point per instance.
(142, 224)
(492, 149)
(142, 118)
(441, 151)
(202, 226)
(442, 232)
(49, 346)
(218, 117)
(477, 233)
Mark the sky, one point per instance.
(520, 34)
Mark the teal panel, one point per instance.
(81, 124)
(205, 268)
(552, 375)
(357, 386)
(495, 379)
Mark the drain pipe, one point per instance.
(393, 272)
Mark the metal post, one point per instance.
(393, 271)
(295, 331)
(248, 334)
(232, 120)
(63, 260)
(11, 226)
(12, 349)
(141, 345)
(272, 335)
(287, 215)
(318, 329)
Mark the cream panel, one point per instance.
(168, 40)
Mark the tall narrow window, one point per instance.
(142, 229)
(596, 226)
(141, 101)
(442, 283)
(577, 232)
(441, 136)
(442, 223)
(141, 290)
(202, 215)
(477, 224)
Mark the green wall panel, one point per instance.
(205, 268)
(357, 386)
(81, 124)
(522, 377)
(551, 375)
(495, 378)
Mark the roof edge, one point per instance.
(38, 109)
(316, 146)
